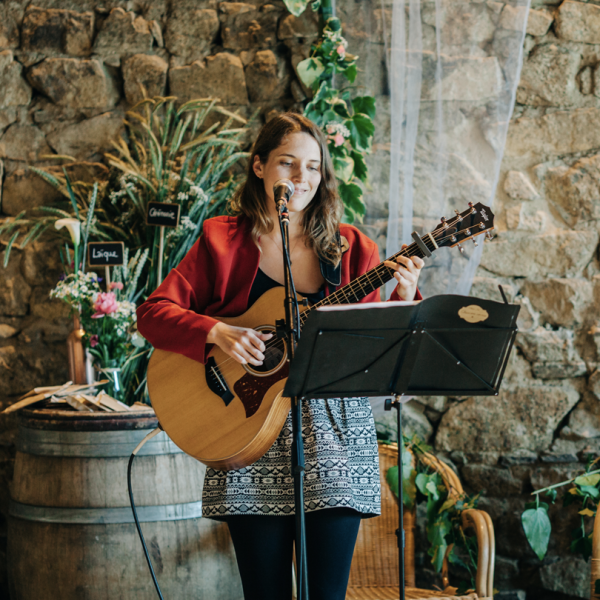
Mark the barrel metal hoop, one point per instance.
(92, 444)
(105, 516)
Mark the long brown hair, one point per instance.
(321, 216)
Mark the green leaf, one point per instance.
(582, 546)
(431, 487)
(344, 168)
(351, 195)
(361, 132)
(350, 73)
(296, 7)
(340, 108)
(9, 247)
(409, 491)
(537, 527)
(449, 503)
(334, 24)
(360, 166)
(309, 70)
(421, 481)
(587, 480)
(551, 495)
(365, 105)
(594, 492)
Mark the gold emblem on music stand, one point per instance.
(473, 313)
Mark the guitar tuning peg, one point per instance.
(489, 236)
(475, 242)
(461, 249)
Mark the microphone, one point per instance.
(283, 190)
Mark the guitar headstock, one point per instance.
(467, 225)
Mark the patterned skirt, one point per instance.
(342, 467)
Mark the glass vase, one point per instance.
(112, 371)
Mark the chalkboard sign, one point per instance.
(163, 214)
(105, 254)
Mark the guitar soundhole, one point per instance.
(275, 354)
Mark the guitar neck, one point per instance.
(366, 284)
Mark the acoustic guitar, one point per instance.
(227, 415)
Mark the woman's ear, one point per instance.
(257, 167)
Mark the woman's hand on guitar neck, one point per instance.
(242, 344)
(407, 271)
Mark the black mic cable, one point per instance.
(135, 515)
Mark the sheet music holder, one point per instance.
(444, 345)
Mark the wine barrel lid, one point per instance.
(63, 420)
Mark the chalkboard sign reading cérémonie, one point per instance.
(163, 214)
(105, 254)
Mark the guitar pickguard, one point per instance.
(251, 390)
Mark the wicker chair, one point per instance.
(595, 556)
(374, 572)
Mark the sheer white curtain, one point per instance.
(445, 74)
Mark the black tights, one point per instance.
(263, 548)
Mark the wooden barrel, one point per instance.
(71, 533)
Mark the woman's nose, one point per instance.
(299, 174)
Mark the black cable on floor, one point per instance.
(137, 521)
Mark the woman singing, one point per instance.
(236, 260)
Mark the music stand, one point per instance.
(444, 345)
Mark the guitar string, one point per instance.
(339, 293)
(328, 300)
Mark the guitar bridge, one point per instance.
(216, 382)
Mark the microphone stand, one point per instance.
(290, 330)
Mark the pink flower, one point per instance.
(116, 285)
(106, 303)
(341, 51)
(94, 341)
(338, 139)
(330, 129)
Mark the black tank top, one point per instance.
(263, 283)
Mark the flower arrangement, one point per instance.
(107, 318)
(169, 154)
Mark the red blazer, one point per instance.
(214, 280)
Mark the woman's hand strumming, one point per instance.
(242, 344)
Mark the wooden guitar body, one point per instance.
(219, 434)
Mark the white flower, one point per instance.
(74, 227)
(182, 196)
(197, 191)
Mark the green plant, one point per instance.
(347, 121)
(584, 492)
(184, 155)
(420, 483)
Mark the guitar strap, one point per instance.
(331, 274)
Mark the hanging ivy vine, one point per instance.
(346, 119)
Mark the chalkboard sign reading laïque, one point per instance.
(163, 214)
(105, 254)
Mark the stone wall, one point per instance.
(70, 69)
